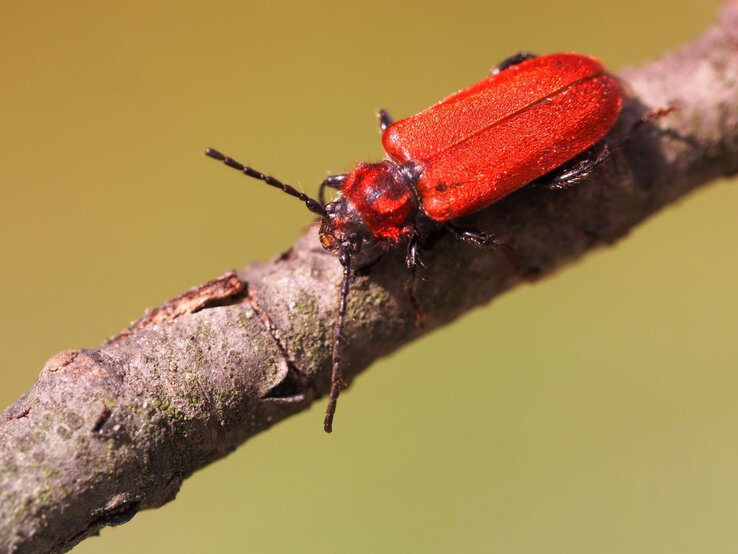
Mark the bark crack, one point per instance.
(296, 386)
(221, 291)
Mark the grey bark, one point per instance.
(109, 431)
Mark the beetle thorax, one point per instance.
(378, 203)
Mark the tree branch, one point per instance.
(106, 432)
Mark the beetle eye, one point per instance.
(327, 241)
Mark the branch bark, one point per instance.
(106, 432)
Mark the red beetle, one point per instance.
(527, 120)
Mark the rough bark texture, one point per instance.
(106, 432)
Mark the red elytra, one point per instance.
(529, 118)
(485, 142)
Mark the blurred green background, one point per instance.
(593, 412)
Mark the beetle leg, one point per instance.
(385, 120)
(512, 60)
(601, 152)
(413, 252)
(478, 238)
(502, 247)
(333, 181)
(505, 249)
(412, 261)
(578, 171)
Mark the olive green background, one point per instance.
(595, 411)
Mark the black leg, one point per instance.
(512, 60)
(385, 120)
(486, 240)
(572, 173)
(413, 251)
(332, 181)
(478, 238)
(412, 261)
(601, 152)
(336, 380)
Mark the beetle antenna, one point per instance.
(312, 204)
(336, 381)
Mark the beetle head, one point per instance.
(343, 228)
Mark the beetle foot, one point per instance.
(472, 236)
